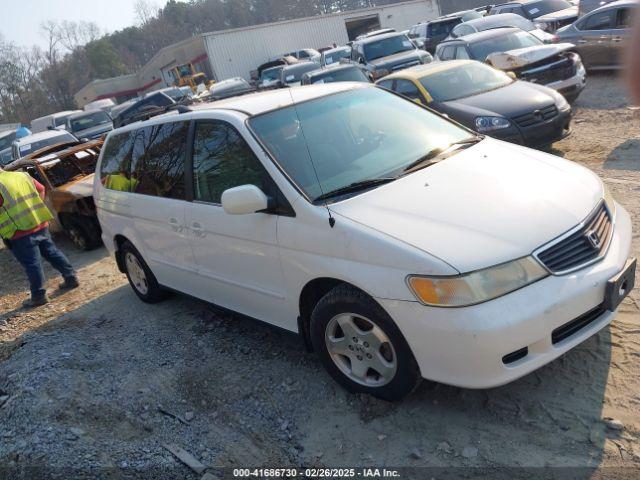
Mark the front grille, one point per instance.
(574, 326)
(585, 245)
(537, 116)
(553, 72)
(405, 65)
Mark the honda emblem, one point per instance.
(594, 239)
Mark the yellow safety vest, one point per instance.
(22, 208)
(120, 182)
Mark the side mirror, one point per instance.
(361, 60)
(512, 75)
(244, 200)
(84, 139)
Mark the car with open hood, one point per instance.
(66, 170)
(556, 66)
(486, 100)
(548, 15)
(396, 242)
(386, 53)
(602, 36)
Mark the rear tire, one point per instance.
(361, 347)
(81, 235)
(141, 278)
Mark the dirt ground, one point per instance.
(96, 384)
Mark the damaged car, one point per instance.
(556, 66)
(66, 171)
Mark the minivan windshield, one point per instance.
(463, 81)
(387, 46)
(339, 140)
(502, 43)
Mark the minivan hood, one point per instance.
(521, 57)
(491, 203)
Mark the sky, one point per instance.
(20, 19)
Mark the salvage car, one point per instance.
(66, 170)
(334, 55)
(548, 15)
(386, 53)
(24, 146)
(155, 103)
(230, 87)
(557, 66)
(398, 243)
(89, 125)
(429, 34)
(336, 73)
(602, 36)
(291, 75)
(486, 100)
(499, 21)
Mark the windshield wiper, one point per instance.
(429, 158)
(355, 187)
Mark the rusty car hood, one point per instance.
(82, 187)
(522, 57)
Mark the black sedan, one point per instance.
(486, 100)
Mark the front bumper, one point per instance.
(571, 87)
(465, 346)
(539, 135)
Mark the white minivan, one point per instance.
(398, 244)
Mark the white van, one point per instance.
(397, 243)
(52, 121)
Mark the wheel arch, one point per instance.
(309, 297)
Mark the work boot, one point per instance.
(36, 301)
(69, 283)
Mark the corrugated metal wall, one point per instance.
(234, 53)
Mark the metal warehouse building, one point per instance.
(236, 52)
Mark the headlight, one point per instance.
(476, 287)
(426, 58)
(488, 124)
(561, 102)
(609, 201)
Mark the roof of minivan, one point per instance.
(260, 102)
(41, 136)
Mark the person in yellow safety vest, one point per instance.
(24, 228)
(120, 181)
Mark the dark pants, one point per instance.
(28, 251)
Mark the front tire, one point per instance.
(361, 347)
(141, 278)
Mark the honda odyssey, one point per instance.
(399, 244)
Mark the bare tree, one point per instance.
(145, 10)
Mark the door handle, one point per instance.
(617, 39)
(581, 41)
(175, 225)
(198, 230)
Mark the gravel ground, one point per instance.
(98, 384)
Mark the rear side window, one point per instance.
(116, 162)
(222, 160)
(447, 53)
(624, 17)
(158, 160)
(597, 21)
